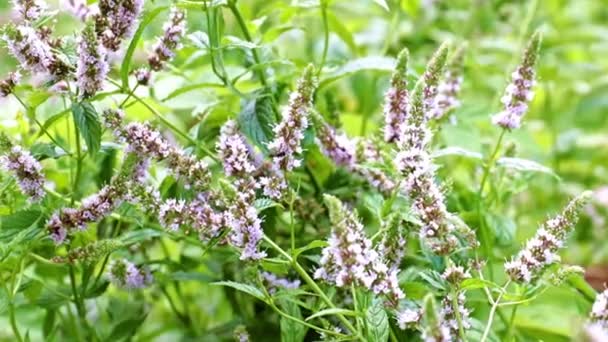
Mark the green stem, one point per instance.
(455, 307)
(128, 96)
(353, 292)
(485, 233)
(486, 332)
(325, 36)
(312, 284)
(511, 324)
(78, 163)
(254, 51)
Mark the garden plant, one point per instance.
(303, 170)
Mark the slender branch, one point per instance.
(312, 284)
(254, 51)
(492, 312)
(325, 36)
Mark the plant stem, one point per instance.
(455, 307)
(511, 324)
(254, 51)
(353, 292)
(312, 284)
(323, 8)
(485, 234)
(492, 312)
(78, 163)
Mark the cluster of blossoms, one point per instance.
(351, 259)
(396, 99)
(241, 216)
(98, 205)
(519, 92)
(149, 143)
(432, 78)
(599, 311)
(414, 163)
(125, 274)
(447, 329)
(8, 84)
(241, 334)
(92, 66)
(197, 214)
(274, 283)
(449, 87)
(408, 318)
(393, 243)
(26, 169)
(289, 133)
(335, 146)
(164, 49)
(29, 10)
(28, 47)
(541, 250)
(116, 21)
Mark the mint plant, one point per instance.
(172, 174)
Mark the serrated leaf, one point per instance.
(249, 289)
(43, 151)
(525, 165)
(126, 328)
(256, 120)
(292, 331)
(384, 64)
(332, 311)
(87, 121)
(126, 62)
(377, 323)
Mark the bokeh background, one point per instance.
(566, 129)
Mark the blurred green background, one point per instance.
(566, 129)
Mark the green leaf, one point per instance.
(256, 120)
(332, 311)
(136, 236)
(87, 121)
(384, 64)
(20, 220)
(525, 165)
(338, 28)
(475, 283)
(126, 62)
(503, 227)
(377, 323)
(126, 328)
(264, 203)
(43, 151)
(249, 289)
(312, 245)
(292, 331)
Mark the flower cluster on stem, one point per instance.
(350, 258)
(149, 143)
(541, 250)
(96, 206)
(116, 21)
(26, 45)
(396, 99)
(449, 87)
(414, 163)
(125, 274)
(273, 282)
(336, 146)
(92, 67)
(25, 168)
(432, 78)
(599, 311)
(174, 30)
(519, 92)
(29, 10)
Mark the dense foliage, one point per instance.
(302, 170)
